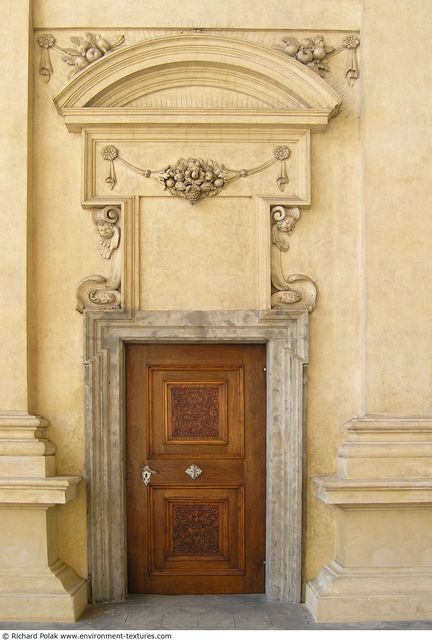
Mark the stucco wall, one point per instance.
(364, 239)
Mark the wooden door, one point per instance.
(196, 417)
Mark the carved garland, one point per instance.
(314, 53)
(96, 291)
(296, 289)
(86, 51)
(193, 178)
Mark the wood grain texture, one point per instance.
(203, 535)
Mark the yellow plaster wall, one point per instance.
(198, 257)
(262, 14)
(14, 134)
(369, 203)
(397, 205)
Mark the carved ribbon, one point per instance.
(46, 41)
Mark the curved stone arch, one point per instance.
(104, 88)
(200, 75)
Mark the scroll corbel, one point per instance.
(96, 291)
(296, 290)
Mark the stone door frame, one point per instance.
(285, 334)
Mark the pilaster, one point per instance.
(382, 493)
(34, 583)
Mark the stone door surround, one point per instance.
(285, 334)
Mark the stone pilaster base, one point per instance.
(346, 594)
(56, 593)
(34, 583)
(382, 500)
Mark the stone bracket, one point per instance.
(296, 289)
(96, 292)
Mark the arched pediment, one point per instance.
(197, 78)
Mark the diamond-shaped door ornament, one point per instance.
(194, 471)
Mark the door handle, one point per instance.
(146, 474)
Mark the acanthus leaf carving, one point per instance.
(99, 292)
(195, 178)
(296, 289)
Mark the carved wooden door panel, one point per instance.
(196, 422)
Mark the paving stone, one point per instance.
(154, 612)
(144, 619)
(179, 619)
(252, 619)
(216, 620)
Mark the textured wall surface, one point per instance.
(364, 240)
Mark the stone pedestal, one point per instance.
(34, 583)
(383, 498)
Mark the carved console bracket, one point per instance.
(98, 292)
(193, 178)
(296, 289)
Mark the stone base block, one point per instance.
(55, 595)
(341, 594)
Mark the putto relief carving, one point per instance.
(315, 52)
(99, 292)
(194, 179)
(296, 289)
(86, 50)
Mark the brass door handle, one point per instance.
(146, 474)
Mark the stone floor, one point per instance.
(203, 612)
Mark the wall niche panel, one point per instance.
(198, 257)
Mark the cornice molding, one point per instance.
(101, 92)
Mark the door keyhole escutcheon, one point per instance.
(146, 474)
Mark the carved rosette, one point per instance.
(297, 289)
(99, 292)
(46, 41)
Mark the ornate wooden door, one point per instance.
(196, 425)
